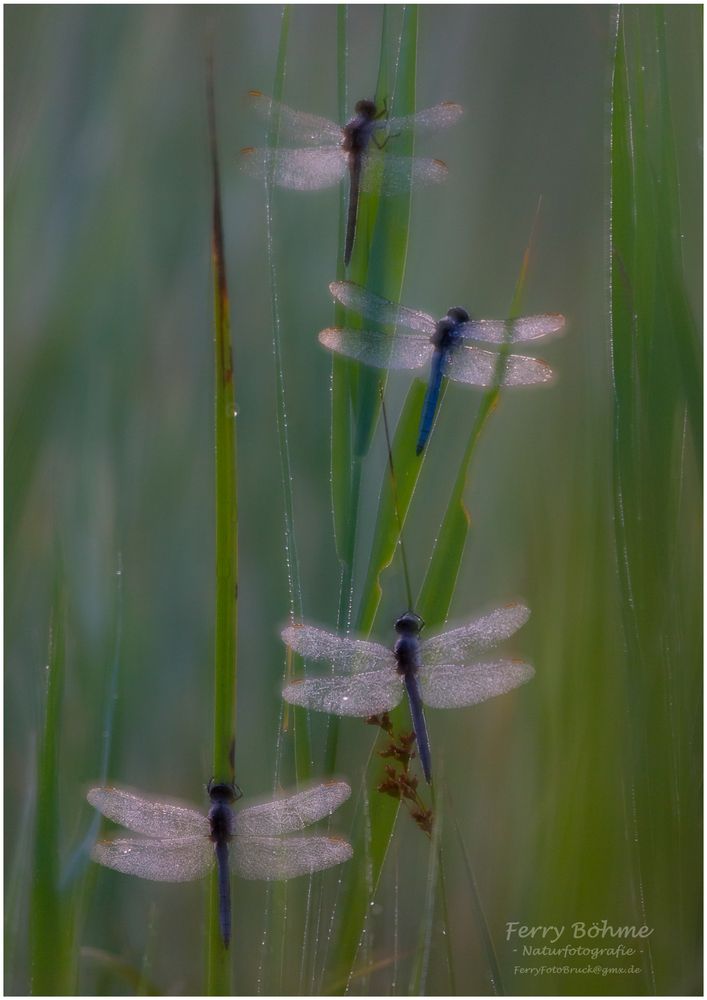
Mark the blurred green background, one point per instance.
(578, 796)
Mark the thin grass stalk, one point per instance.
(437, 844)
(219, 982)
(51, 923)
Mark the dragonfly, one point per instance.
(180, 843)
(355, 148)
(369, 679)
(448, 344)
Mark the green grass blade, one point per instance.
(226, 626)
(440, 580)
(657, 496)
(343, 370)
(421, 965)
(378, 261)
(386, 532)
(299, 727)
(51, 912)
(437, 589)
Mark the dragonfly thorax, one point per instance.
(358, 131)
(407, 646)
(458, 315)
(446, 333)
(221, 822)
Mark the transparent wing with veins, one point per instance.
(439, 116)
(458, 645)
(362, 694)
(299, 169)
(516, 331)
(452, 686)
(152, 817)
(449, 680)
(308, 129)
(169, 859)
(270, 858)
(345, 655)
(380, 310)
(291, 813)
(476, 366)
(402, 351)
(385, 173)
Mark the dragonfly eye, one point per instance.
(366, 108)
(458, 314)
(222, 792)
(409, 624)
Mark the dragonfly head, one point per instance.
(220, 791)
(365, 108)
(458, 315)
(409, 624)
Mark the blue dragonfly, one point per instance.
(353, 149)
(449, 344)
(369, 679)
(180, 844)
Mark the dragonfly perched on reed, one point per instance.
(355, 148)
(449, 345)
(369, 679)
(180, 844)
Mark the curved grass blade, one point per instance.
(122, 970)
(226, 625)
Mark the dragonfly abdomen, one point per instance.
(429, 406)
(419, 723)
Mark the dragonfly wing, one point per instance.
(386, 174)
(501, 331)
(300, 169)
(438, 116)
(291, 812)
(271, 859)
(293, 124)
(452, 686)
(475, 366)
(380, 310)
(149, 816)
(363, 694)
(458, 644)
(342, 653)
(403, 351)
(171, 859)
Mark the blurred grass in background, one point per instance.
(577, 796)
